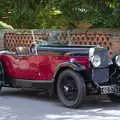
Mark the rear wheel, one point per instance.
(71, 88)
(1, 75)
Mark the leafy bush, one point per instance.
(56, 14)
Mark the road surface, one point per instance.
(29, 105)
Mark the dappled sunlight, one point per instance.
(93, 114)
(14, 103)
(6, 113)
(111, 112)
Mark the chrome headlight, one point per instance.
(96, 60)
(117, 60)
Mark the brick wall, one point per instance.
(115, 44)
(114, 37)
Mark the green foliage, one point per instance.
(4, 25)
(56, 14)
(49, 20)
(49, 17)
(69, 8)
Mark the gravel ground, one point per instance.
(16, 104)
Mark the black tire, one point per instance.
(71, 89)
(2, 74)
(114, 98)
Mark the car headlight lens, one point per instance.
(117, 60)
(96, 60)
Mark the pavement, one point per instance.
(17, 104)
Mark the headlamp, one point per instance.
(117, 60)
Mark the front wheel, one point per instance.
(71, 88)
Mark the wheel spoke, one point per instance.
(69, 88)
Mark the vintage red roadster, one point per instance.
(70, 72)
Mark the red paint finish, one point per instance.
(36, 67)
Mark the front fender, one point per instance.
(69, 65)
(72, 65)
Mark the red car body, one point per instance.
(36, 67)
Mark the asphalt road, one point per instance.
(29, 105)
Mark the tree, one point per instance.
(40, 13)
(4, 25)
(21, 13)
(99, 13)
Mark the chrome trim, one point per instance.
(6, 52)
(103, 53)
(91, 53)
(117, 62)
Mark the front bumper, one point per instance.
(101, 80)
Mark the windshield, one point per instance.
(42, 43)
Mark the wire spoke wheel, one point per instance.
(71, 88)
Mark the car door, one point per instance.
(26, 66)
(44, 69)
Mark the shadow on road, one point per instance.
(28, 94)
(91, 101)
(16, 102)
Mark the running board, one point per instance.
(37, 84)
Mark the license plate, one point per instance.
(108, 89)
